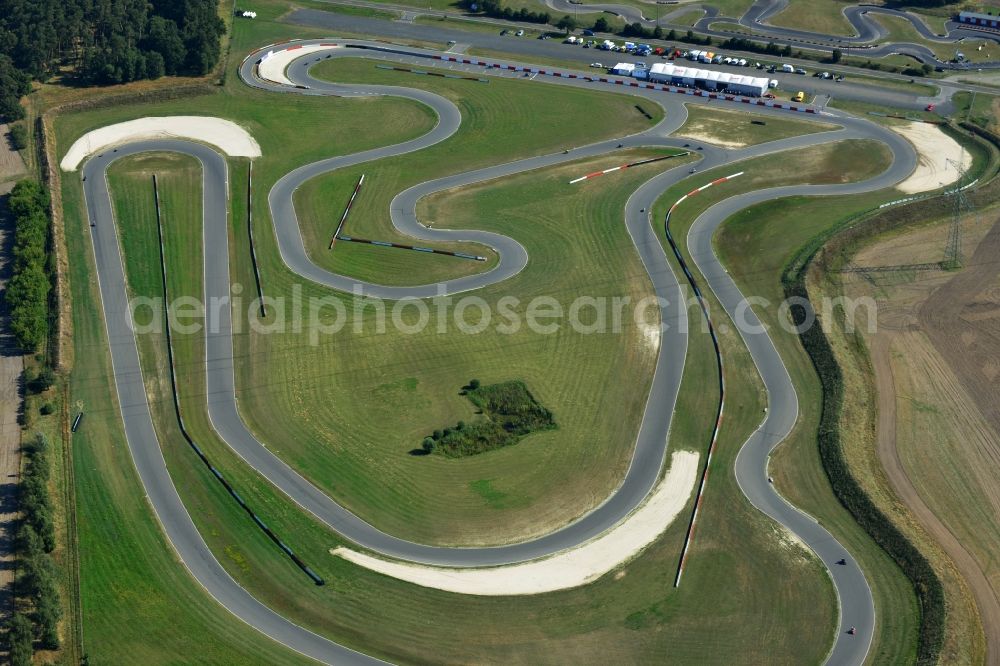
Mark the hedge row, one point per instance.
(28, 291)
(36, 584)
(851, 494)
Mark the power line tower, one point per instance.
(962, 206)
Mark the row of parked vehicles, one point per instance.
(696, 55)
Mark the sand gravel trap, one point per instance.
(274, 63)
(712, 139)
(226, 135)
(567, 569)
(934, 149)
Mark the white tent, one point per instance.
(668, 72)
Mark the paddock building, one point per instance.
(977, 18)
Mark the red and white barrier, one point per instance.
(598, 173)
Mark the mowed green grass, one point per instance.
(823, 16)
(139, 603)
(625, 618)
(347, 411)
(755, 259)
(901, 30)
(755, 245)
(726, 126)
(502, 121)
(617, 620)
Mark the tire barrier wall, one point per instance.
(428, 250)
(253, 248)
(180, 419)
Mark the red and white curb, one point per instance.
(599, 173)
(627, 166)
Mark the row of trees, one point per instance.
(14, 84)
(496, 9)
(28, 290)
(103, 41)
(36, 585)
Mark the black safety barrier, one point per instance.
(416, 248)
(253, 249)
(180, 418)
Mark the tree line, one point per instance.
(39, 610)
(27, 294)
(103, 42)
(496, 9)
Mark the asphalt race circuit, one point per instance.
(864, 42)
(855, 599)
(532, 50)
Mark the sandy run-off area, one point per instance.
(937, 155)
(226, 135)
(571, 568)
(274, 63)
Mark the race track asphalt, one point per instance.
(531, 49)
(651, 445)
(865, 41)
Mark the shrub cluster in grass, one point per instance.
(36, 585)
(510, 413)
(28, 290)
(19, 136)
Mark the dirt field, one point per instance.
(11, 164)
(934, 357)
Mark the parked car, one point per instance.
(519, 33)
(597, 64)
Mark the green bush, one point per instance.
(34, 541)
(510, 411)
(20, 640)
(28, 290)
(19, 136)
(46, 409)
(39, 381)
